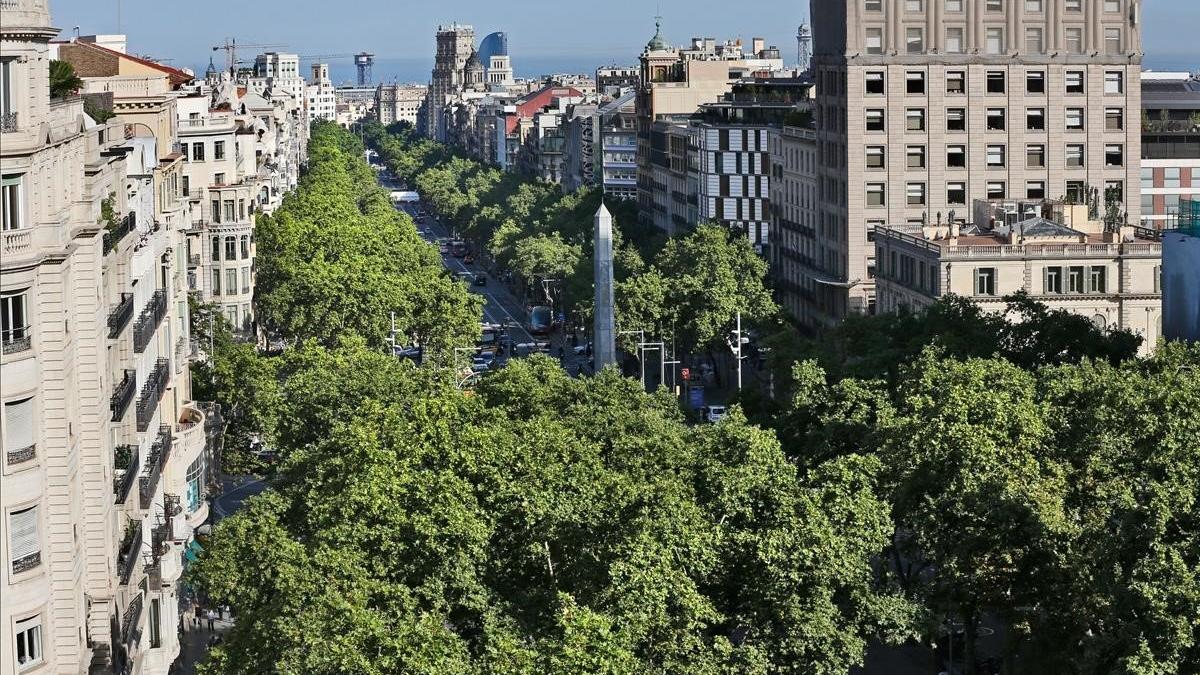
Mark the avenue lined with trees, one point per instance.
(916, 473)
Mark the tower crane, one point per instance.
(231, 46)
(324, 57)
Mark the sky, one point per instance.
(544, 35)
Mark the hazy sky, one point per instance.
(541, 31)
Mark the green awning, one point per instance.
(192, 553)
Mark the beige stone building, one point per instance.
(794, 223)
(399, 102)
(1050, 250)
(93, 516)
(923, 105)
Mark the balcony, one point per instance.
(20, 455)
(147, 323)
(193, 260)
(114, 234)
(131, 632)
(125, 459)
(152, 393)
(160, 452)
(16, 340)
(130, 551)
(123, 395)
(8, 123)
(172, 506)
(17, 241)
(119, 317)
(160, 539)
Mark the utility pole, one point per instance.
(735, 346)
(393, 335)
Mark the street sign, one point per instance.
(696, 396)
(685, 374)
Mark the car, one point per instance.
(443, 247)
(481, 280)
(581, 350)
(469, 259)
(466, 276)
(714, 413)
(458, 248)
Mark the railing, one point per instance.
(152, 392)
(125, 457)
(193, 260)
(20, 455)
(148, 322)
(120, 316)
(172, 505)
(27, 563)
(123, 395)
(159, 454)
(16, 340)
(129, 623)
(160, 536)
(16, 241)
(130, 552)
(8, 123)
(113, 236)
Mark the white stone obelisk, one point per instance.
(604, 345)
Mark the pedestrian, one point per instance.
(225, 610)
(197, 615)
(212, 618)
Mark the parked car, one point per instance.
(481, 280)
(714, 413)
(443, 247)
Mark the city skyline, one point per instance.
(404, 48)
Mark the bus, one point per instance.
(541, 320)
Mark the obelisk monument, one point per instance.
(604, 346)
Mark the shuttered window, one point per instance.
(23, 536)
(18, 424)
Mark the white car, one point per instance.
(714, 413)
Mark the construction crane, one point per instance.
(231, 46)
(325, 57)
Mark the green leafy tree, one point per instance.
(63, 80)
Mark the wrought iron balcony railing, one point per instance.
(125, 457)
(130, 552)
(119, 317)
(160, 452)
(8, 123)
(16, 340)
(152, 392)
(147, 323)
(122, 395)
(20, 455)
(130, 635)
(114, 235)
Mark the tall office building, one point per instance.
(924, 105)
(455, 45)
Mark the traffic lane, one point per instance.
(231, 500)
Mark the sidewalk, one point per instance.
(193, 645)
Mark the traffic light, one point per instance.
(686, 374)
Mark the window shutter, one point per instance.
(18, 424)
(24, 538)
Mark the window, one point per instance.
(194, 478)
(1096, 279)
(1035, 119)
(916, 156)
(187, 191)
(1074, 279)
(1114, 82)
(1052, 280)
(875, 157)
(873, 5)
(1074, 40)
(1114, 154)
(245, 241)
(216, 282)
(995, 119)
(1033, 41)
(14, 326)
(994, 41)
(155, 623)
(1114, 192)
(874, 119)
(914, 40)
(995, 155)
(956, 193)
(874, 40)
(219, 178)
(995, 189)
(24, 544)
(985, 281)
(1035, 189)
(954, 40)
(1074, 82)
(956, 156)
(1074, 5)
(18, 423)
(914, 82)
(214, 210)
(956, 82)
(218, 149)
(1148, 178)
(10, 203)
(916, 194)
(1075, 154)
(874, 82)
(215, 253)
(956, 119)
(1033, 5)
(245, 279)
(995, 82)
(1114, 119)
(231, 248)
(1074, 119)
(1035, 156)
(914, 5)
(29, 643)
(876, 194)
(230, 211)
(197, 152)
(1112, 5)
(1171, 177)
(914, 119)
(6, 88)
(1112, 40)
(231, 278)
(1076, 191)
(994, 5)
(241, 209)
(1035, 82)
(954, 5)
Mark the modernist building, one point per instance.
(1170, 145)
(1057, 253)
(616, 127)
(97, 502)
(493, 54)
(319, 95)
(399, 102)
(455, 44)
(923, 104)
(579, 167)
(1181, 275)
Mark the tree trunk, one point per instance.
(970, 634)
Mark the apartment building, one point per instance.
(614, 81)
(319, 95)
(616, 170)
(1058, 253)
(399, 102)
(280, 72)
(670, 178)
(793, 220)
(92, 310)
(923, 105)
(1181, 275)
(455, 44)
(579, 166)
(1170, 146)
